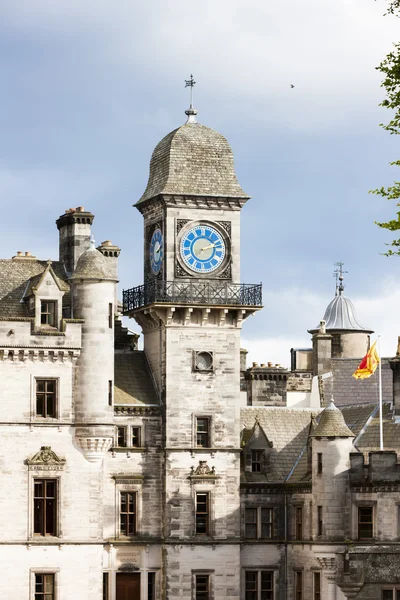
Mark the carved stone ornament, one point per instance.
(202, 469)
(181, 223)
(226, 225)
(46, 460)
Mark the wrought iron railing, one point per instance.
(192, 292)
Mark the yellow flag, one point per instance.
(367, 366)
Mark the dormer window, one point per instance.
(256, 460)
(48, 311)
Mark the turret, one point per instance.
(93, 297)
(332, 443)
(342, 334)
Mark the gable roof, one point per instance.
(15, 276)
(288, 430)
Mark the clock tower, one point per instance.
(191, 308)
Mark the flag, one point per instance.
(367, 366)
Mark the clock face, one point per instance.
(202, 249)
(156, 251)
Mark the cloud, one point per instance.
(293, 311)
(237, 50)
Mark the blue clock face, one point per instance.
(202, 249)
(156, 251)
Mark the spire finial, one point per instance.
(339, 274)
(191, 112)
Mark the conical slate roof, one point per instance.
(332, 424)
(92, 265)
(193, 160)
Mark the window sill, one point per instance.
(128, 449)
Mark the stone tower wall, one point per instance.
(95, 368)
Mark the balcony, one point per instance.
(202, 293)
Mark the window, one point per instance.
(121, 437)
(203, 432)
(256, 459)
(151, 586)
(110, 392)
(392, 594)
(202, 587)
(128, 437)
(319, 520)
(319, 463)
(365, 522)
(267, 515)
(259, 585)
(110, 315)
(44, 586)
(105, 586)
(48, 313)
(317, 585)
(46, 395)
(202, 513)
(45, 507)
(128, 513)
(251, 591)
(298, 585)
(298, 522)
(203, 361)
(135, 437)
(259, 523)
(251, 523)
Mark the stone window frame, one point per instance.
(317, 594)
(196, 369)
(296, 571)
(207, 572)
(128, 433)
(363, 504)
(293, 528)
(43, 571)
(196, 416)
(393, 589)
(259, 569)
(259, 509)
(45, 377)
(54, 303)
(204, 488)
(41, 473)
(128, 483)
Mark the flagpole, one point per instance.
(380, 393)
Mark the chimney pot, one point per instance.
(270, 364)
(106, 243)
(80, 209)
(255, 364)
(19, 253)
(28, 254)
(262, 365)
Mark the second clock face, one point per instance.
(156, 251)
(202, 249)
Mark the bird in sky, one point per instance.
(291, 85)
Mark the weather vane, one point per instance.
(190, 83)
(338, 273)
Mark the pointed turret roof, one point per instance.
(332, 424)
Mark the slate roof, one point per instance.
(92, 264)
(193, 160)
(331, 424)
(15, 275)
(347, 390)
(132, 380)
(288, 430)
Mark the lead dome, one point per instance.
(193, 160)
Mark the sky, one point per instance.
(89, 88)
